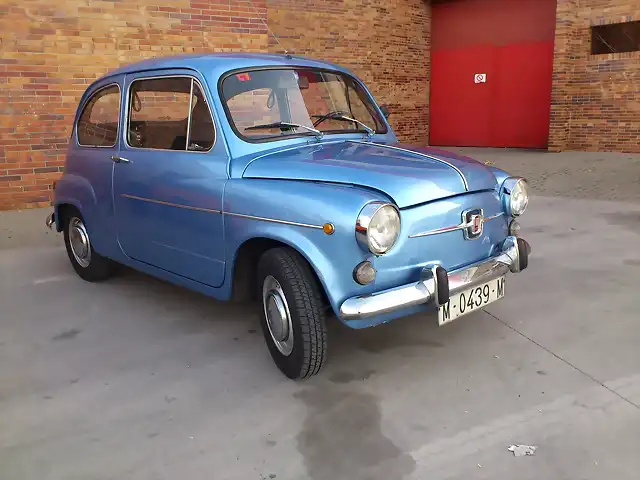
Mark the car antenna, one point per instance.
(286, 52)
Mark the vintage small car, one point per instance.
(277, 178)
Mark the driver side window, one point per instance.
(160, 117)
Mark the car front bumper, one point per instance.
(437, 285)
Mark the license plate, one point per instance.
(471, 300)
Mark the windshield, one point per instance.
(272, 104)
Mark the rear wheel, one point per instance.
(88, 264)
(292, 316)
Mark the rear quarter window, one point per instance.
(98, 122)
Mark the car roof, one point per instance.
(219, 63)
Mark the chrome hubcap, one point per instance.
(276, 311)
(79, 241)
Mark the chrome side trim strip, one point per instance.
(437, 231)
(168, 204)
(210, 210)
(464, 180)
(273, 220)
(491, 217)
(452, 228)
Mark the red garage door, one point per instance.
(491, 67)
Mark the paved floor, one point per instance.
(587, 175)
(137, 379)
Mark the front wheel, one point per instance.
(88, 264)
(292, 316)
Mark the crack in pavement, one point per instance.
(591, 377)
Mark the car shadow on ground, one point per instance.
(361, 350)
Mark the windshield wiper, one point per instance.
(316, 132)
(343, 117)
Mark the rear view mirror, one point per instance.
(385, 111)
(303, 83)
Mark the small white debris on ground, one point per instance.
(522, 450)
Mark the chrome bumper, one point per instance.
(51, 220)
(437, 285)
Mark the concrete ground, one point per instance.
(586, 175)
(138, 379)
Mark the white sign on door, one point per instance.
(480, 78)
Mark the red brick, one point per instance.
(19, 171)
(10, 178)
(46, 170)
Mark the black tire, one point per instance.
(93, 267)
(304, 299)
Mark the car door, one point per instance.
(169, 176)
(89, 166)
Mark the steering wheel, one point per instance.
(327, 116)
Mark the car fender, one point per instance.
(294, 239)
(77, 191)
(294, 212)
(500, 175)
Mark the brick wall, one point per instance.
(385, 43)
(51, 51)
(596, 98)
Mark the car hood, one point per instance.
(410, 175)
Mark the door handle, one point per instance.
(118, 159)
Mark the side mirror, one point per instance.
(385, 111)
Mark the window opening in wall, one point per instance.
(615, 38)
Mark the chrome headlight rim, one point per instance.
(363, 221)
(508, 186)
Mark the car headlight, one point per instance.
(516, 190)
(378, 227)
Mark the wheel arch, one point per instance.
(75, 191)
(63, 210)
(244, 268)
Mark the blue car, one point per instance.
(277, 179)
